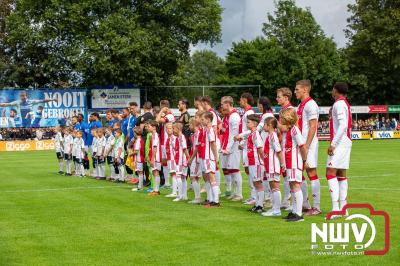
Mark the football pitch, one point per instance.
(48, 219)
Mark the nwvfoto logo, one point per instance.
(335, 237)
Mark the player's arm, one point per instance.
(260, 152)
(159, 117)
(242, 135)
(311, 132)
(234, 130)
(8, 104)
(214, 150)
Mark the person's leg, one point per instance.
(228, 182)
(343, 187)
(259, 188)
(333, 185)
(140, 175)
(237, 177)
(156, 180)
(276, 196)
(315, 187)
(196, 187)
(214, 188)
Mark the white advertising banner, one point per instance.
(114, 98)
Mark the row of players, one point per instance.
(266, 146)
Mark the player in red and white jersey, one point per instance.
(340, 146)
(154, 155)
(164, 116)
(283, 97)
(169, 156)
(255, 161)
(230, 155)
(139, 155)
(295, 158)
(216, 124)
(181, 160)
(246, 100)
(194, 163)
(208, 159)
(308, 114)
(274, 164)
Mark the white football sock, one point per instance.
(267, 191)
(166, 176)
(112, 171)
(218, 178)
(260, 198)
(102, 170)
(238, 183)
(61, 165)
(228, 182)
(179, 185)
(298, 196)
(304, 190)
(208, 191)
(215, 193)
(156, 183)
(184, 188)
(140, 184)
(286, 193)
(343, 187)
(316, 193)
(174, 185)
(121, 169)
(294, 206)
(253, 192)
(276, 200)
(196, 189)
(333, 184)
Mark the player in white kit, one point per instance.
(308, 114)
(340, 146)
(230, 155)
(58, 146)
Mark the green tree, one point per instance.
(374, 51)
(104, 41)
(293, 47)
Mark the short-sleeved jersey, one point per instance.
(155, 147)
(340, 123)
(58, 139)
(208, 137)
(243, 121)
(80, 144)
(169, 118)
(75, 146)
(307, 111)
(180, 147)
(254, 142)
(101, 144)
(195, 142)
(230, 129)
(119, 144)
(110, 141)
(94, 144)
(68, 141)
(139, 149)
(293, 141)
(271, 149)
(170, 147)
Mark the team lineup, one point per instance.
(167, 151)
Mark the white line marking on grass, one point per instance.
(55, 189)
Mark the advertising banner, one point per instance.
(393, 108)
(28, 145)
(378, 109)
(40, 108)
(114, 98)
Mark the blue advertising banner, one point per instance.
(40, 108)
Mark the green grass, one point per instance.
(47, 219)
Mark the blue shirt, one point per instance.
(88, 131)
(124, 126)
(111, 122)
(131, 126)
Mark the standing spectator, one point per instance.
(133, 108)
(183, 106)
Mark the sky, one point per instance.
(243, 19)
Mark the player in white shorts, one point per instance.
(246, 100)
(139, 154)
(295, 157)
(181, 159)
(119, 155)
(308, 114)
(58, 146)
(283, 97)
(340, 146)
(255, 161)
(68, 142)
(169, 150)
(110, 142)
(274, 165)
(195, 172)
(154, 156)
(230, 155)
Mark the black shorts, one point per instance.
(100, 160)
(79, 160)
(59, 155)
(74, 159)
(68, 157)
(110, 159)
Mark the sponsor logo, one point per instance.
(356, 234)
(19, 146)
